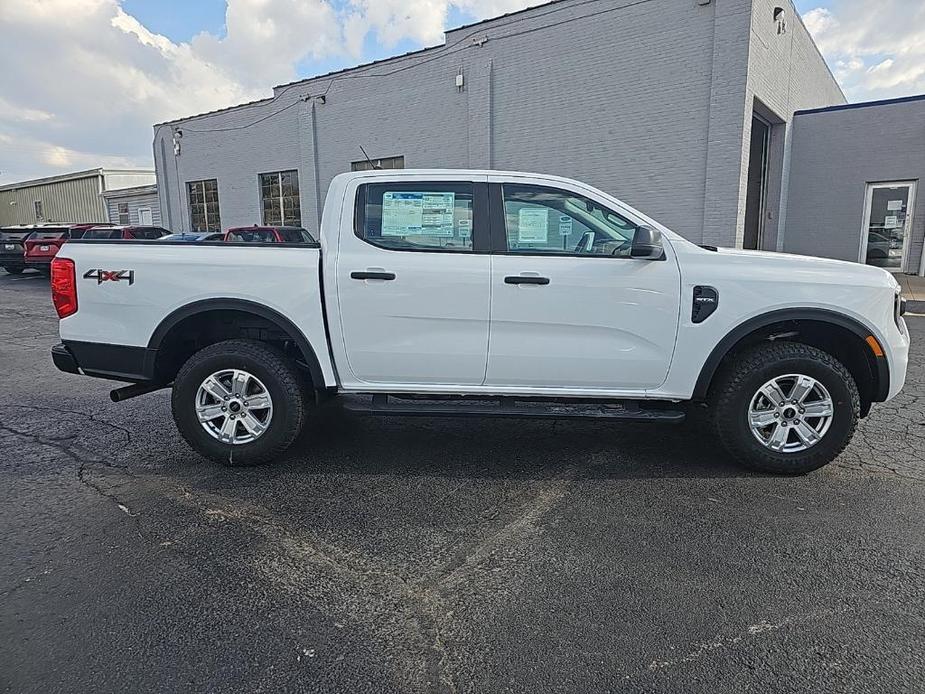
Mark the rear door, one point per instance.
(412, 273)
(570, 309)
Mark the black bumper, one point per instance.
(40, 262)
(64, 360)
(12, 259)
(115, 362)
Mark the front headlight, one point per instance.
(899, 309)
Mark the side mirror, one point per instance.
(647, 244)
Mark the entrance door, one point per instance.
(413, 283)
(887, 224)
(756, 190)
(145, 217)
(570, 308)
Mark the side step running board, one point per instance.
(630, 411)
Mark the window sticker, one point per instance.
(894, 205)
(465, 228)
(565, 225)
(418, 214)
(891, 221)
(533, 225)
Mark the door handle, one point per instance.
(525, 279)
(370, 275)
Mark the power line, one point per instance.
(442, 52)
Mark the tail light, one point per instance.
(64, 287)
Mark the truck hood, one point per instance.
(798, 267)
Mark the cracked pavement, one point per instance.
(442, 555)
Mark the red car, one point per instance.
(125, 232)
(43, 244)
(256, 234)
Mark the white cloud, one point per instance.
(876, 50)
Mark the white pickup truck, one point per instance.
(486, 293)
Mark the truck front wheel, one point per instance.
(239, 402)
(785, 407)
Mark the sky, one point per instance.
(83, 81)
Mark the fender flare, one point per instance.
(881, 370)
(245, 306)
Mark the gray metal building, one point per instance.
(136, 205)
(683, 108)
(73, 197)
(853, 194)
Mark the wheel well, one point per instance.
(197, 330)
(841, 342)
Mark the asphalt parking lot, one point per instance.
(442, 555)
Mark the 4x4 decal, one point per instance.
(110, 276)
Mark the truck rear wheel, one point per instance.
(239, 402)
(14, 269)
(785, 407)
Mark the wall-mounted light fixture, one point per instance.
(781, 20)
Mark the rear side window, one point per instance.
(416, 216)
(292, 235)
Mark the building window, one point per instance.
(203, 205)
(39, 213)
(279, 198)
(383, 163)
(123, 212)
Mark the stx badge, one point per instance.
(110, 276)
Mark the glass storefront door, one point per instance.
(887, 224)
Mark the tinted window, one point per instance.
(291, 235)
(102, 234)
(148, 233)
(547, 220)
(416, 216)
(50, 234)
(252, 236)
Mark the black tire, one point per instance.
(749, 370)
(14, 269)
(279, 375)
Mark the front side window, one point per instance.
(123, 213)
(148, 233)
(203, 205)
(279, 198)
(416, 216)
(541, 220)
(293, 235)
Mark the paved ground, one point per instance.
(442, 555)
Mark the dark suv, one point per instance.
(12, 250)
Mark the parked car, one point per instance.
(12, 250)
(265, 234)
(42, 244)
(593, 308)
(125, 232)
(193, 237)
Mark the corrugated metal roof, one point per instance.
(127, 192)
(89, 173)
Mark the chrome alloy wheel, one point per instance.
(791, 413)
(234, 406)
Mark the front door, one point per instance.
(145, 216)
(887, 224)
(570, 308)
(413, 283)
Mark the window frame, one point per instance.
(481, 232)
(499, 241)
(38, 209)
(119, 213)
(205, 204)
(278, 201)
